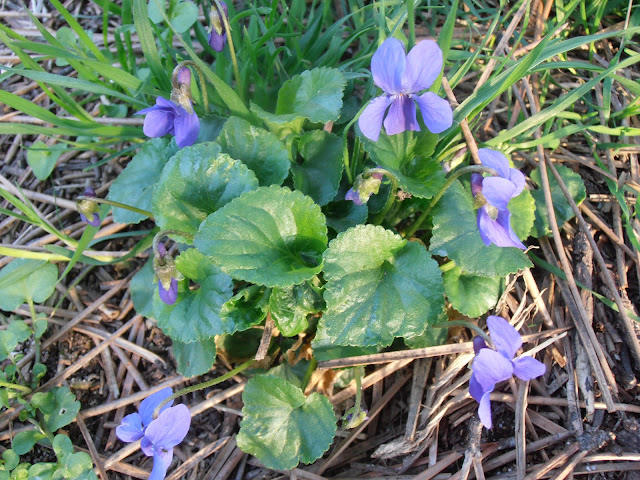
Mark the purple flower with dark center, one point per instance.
(494, 194)
(166, 272)
(167, 117)
(157, 437)
(88, 209)
(218, 35)
(401, 76)
(493, 366)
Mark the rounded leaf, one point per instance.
(271, 236)
(471, 295)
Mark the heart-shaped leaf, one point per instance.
(247, 307)
(271, 236)
(456, 235)
(197, 181)
(258, 149)
(379, 286)
(281, 427)
(289, 307)
(196, 314)
(522, 210)
(470, 294)
(24, 279)
(42, 158)
(195, 358)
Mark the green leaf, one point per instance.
(470, 294)
(379, 286)
(23, 442)
(320, 172)
(62, 446)
(315, 94)
(522, 210)
(142, 288)
(210, 127)
(195, 358)
(183, 15)
(289, 307)
(325, 349)
(134, 185)
(280, 427)
(271, 236)
(456, 235)
(561, 206)
(15, 333)
(24, 279)
(59, 407)
(196, 314)
(258, 149)
(280, 125)
(42, 158)
(246, 308)
(11, 459)
(344, 214)
(390, 151)
(156, 9)
(197, 181)
(431, 337)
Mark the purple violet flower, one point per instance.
(493, 366)
(401, 76)
(167, 117)
(166, 272)
(89, 209)
(494, 217)
(157, 437)
(218, 35)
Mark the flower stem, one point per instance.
(36, 340)
(164, 233)
(14, 386)
(469, 325)
(203, 85)
(203, 385)
(392, 194)
(454, 176)
(119, 205)
(232, 50)
(411, 20)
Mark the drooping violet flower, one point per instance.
(401, 76)
(167, 117)
(89, 209)
(218, 35)
(157, 437)
(493, 366)
(364, 186)
(494, 194)
(167, 274)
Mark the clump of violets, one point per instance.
(89, 209)
(218, 35)
(401, 76)
(175, 116)
(364, 186)
(493, 366)
(165, 270)
(157, 437)
(492, 195)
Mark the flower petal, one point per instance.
(169, 296)
(478, 344)
(402, 116)
(506, 339)
(388, 64)
(517, 178)
(475, 389)
(504, 220)
(187, 127)
(130, 429)
(496, 160)
(489, 367)
(498, 191)
(497, 231)
(484, 410)
(476, 183)
(424, 64)
(170, 428)
(147, 447)
(217, 41)
(353, 196)
(149, 404)
(436, 112)
(370, 121)
(158, 123)
(161, 462)
(526, 368)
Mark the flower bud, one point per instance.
(218, 35)
(181, 92)
(364, 186)
(165, 270)
(89, 209)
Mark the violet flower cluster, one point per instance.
(157, 437)
(494, 194)
(401, 76)
(493, 366)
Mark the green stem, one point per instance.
(36, 341)
(201, 79)
(232, 50)
(310, 369)
(454, 176)
(200, 386)
(392, 194)
(22, 388)
(345, 152)
(119, 205)
(164, 233)
(411, 20)
(462, 323)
